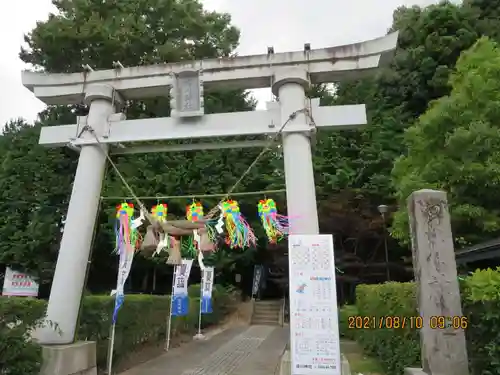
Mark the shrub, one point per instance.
(344, 313)
(481, 304)
(400, 348)
(223, 302)
(142, 319)
(396, 348)
(18, 354)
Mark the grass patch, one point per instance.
(358, 361)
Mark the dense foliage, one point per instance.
(400, 348)
(454, 147)
(142, 321)
(18, 354)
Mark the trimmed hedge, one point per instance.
(344, 313)
(400, 348)
(142, 319)
(395, 348)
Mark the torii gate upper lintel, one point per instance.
(105, 90)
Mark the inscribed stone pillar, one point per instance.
(443, 349)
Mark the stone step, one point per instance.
(258, 310)
(265, 322)
(266, 316)
(269, 302)
(266, 312)
(267, 306)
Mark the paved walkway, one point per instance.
(253, 350)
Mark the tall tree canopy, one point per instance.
(354, 167)
(133, 32)
(34, 186)
(454, 147)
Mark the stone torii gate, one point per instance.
(104, 91)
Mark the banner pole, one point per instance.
(169, 322)
(199, 336)
(110, 349)
(199, 317)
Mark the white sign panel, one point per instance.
(314, 331)
(19, 284)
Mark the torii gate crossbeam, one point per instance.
(288, 74)
(243, 72)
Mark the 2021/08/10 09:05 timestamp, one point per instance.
(397, 322)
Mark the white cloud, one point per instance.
(284, 24)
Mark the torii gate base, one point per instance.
(291, 74)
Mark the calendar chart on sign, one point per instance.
(314, 332)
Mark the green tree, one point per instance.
(431, 39)
(454, 147)
(487, 13)
(34, 184)
(354, 166)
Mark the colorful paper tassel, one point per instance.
(160, 211)
(194, 211)
(127, 237)
(275, 225)
(239, 233)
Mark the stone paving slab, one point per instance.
(178, 360)
(266, 359)
(253, 350)
(230, 356)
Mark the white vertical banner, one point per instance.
(314, 331)
(180, 298)
(207, 283)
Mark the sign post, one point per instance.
(314, 331)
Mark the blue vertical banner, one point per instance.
(180, 298)
(207, 283)
(126, 258)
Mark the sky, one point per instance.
(284, 24)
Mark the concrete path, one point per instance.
(254, 350)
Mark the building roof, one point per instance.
(485, 250)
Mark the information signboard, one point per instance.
(314, 331)
(19, 284)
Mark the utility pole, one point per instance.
(383, 210)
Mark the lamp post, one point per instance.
(383, 210)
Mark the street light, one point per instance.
(383, 210)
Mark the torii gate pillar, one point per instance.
(289, 85)
(76, 243)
